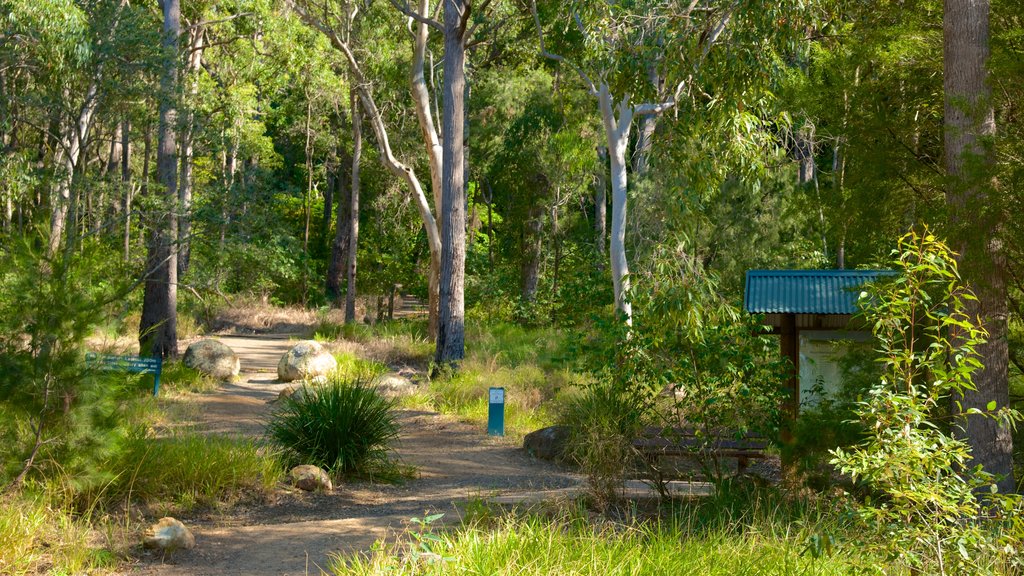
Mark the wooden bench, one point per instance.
(655, 443)
(134, 364)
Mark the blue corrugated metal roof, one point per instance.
(806, 291)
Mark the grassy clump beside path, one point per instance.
(740, 530)
(528, 362)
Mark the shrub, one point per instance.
(344, 425)
(929, 515)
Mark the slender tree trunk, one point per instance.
(976, 211)
(158, 334)
(648, 125)
(451, 318)
(73, 142)
(644, 145)
(396, 167)
(601, 202)
(556, 239)
(808, 171)
(194, 63)
(428, 131)
(489, 198)
(617, 135)
(532, 250)
(328, 194)
(353, 241)
(336, 266)
(127, 186)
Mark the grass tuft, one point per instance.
(345, 426)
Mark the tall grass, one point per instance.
(352, 367)
(532, 394)
(37, 537)
(189, 470)
(539, 547)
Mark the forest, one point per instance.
(560, 199)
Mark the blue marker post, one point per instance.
(496, 412)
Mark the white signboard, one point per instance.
(497, 395)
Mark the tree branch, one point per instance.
(591, 87)
(404, 8)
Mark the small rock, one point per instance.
(307, 359)
(394, 385)
(309, 478)
(213, 358)
(547, 443)
(293, 392)
(168, 534)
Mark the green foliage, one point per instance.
(55, 405)
(344, 425)
(929, 512)
(175, 376)
(689, 359)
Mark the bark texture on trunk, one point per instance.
(158, 334)
(194, 63)
(451, 317)
(969, 130)
(601, 201)
(353, 237)
(339, 247)
(532, 249)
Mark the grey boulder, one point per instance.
(213, 358)
(309, 478)
(547, 443)
(168, 535)
(306, 360)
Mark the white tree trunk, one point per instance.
(432, 143)
(617, 135)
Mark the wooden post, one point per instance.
(791, 405)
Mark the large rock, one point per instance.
(305, 360)
(213, 358)
(547, 443)
(309, 478)
(168, 535)
(394, 385)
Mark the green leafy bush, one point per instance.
(344, 425)
(928, 513)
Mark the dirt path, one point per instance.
(296, 533)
